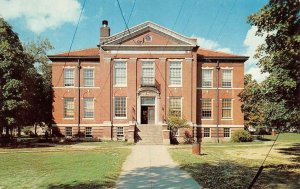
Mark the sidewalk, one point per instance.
(150, 166)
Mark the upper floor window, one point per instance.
(148, 73)
(227, 78)
(69, 77)
(120, 104)
(88, 107)
(226, 108)
(88, 77)
(207, 78)
(68, 107)
(120, 73)
(175, 106)
(175, 73)
(206, 109)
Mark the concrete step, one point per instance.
(149, 134)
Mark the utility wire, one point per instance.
(73, 38)
(262, 165)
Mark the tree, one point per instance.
(253, 103)
(279, 56)
(175, 122)
(36, 50)
(13, 68)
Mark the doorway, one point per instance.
(147, 110)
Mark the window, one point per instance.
(120, 107)
(226, 78)
(68, 107)
(175, 106)
(175, 73)
(88, 132)
(88, 107)
(68, 131)
(206, 108)
(88, 77)
(120, 132)
(69, 77)
(206, 132)
(226, 108)
(148, 75)
(226, 132)
(120, 73)
(207, 78)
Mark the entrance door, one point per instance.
(148, 115)
(151, 114)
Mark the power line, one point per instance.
(73, 38)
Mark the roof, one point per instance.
(147, 26)
(94, 52)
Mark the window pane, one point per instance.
(226, 132)
(175, 106)
(88, 132)
(175, 73)
(120, 131)
(88, 107)
(227, 78)
(148, 76)
(120, 73)
(68, 107)
(120, 107)
(206, 132)
(226, 108)
(207, 78)
(88, 77)
(68, 131)
(206, 110)
(68, 77)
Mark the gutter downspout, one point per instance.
(217, 98)
(110, 99)
(78, 122)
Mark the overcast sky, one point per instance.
(218, 24)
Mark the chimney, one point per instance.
(104, 31)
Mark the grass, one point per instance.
(75, 166)
(233, 165)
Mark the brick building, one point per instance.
(135, 78)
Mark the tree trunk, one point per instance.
(19, 131)
(35, 127)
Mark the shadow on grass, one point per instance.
(156, 177)
(88, 185)
(229, 174)
(293, 151)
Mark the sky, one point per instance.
(217, 24)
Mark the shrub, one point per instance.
(27, 131)
(241, 136)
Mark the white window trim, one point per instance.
(212, 78)
(89, 68)
(91, 132)
(114, 72)
(229, 118)
(68, 118)
(180, 103)
(89, 118)
(115, 109)
(229, 132)
(66, 132)
(175, 60)
(212, 110)
(68, 68)
(226, 68)
(209, 132)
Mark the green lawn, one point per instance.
(233, 165)
(62, 166)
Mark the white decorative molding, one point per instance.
(222, 126)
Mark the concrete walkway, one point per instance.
(150, 166)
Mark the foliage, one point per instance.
(241, 136)
(174, 123)
(27, 131)
(252, 103)
(25, 89)
(279, 56)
